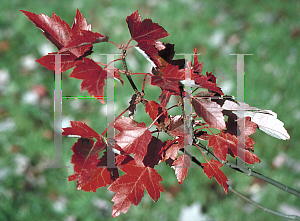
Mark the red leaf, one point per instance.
(169, 80)
(134, 137)
(182, 164)
(205, 82)
(210, 111)
(170, 150)
(149, 52)
(197, 67)
(164, 98)
(84, 38)
(176, 126)
(154, 109)
(220, 146)
(226, 143)
(130, 187)
(93, 77)
(80, 23)
(56, 30)
(211, 169)
(153, 155)
(144, 30)
(67, 61)
(89, 177)
(80, 129)
(62, 36)
(249, 126)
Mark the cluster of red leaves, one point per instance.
(135, 139)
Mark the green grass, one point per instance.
(262, 28)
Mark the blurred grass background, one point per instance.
(270, 30)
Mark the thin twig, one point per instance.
(249, 172)
(291, 217)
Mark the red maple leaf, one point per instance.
(85, 159)
(154, 109)
(241, 150)
(133, 137)
(197, 67)
(206, 82)
(93, 77)
(170, 150)
(220, 146)
(176, 126)
(210, 111)
(249, 126)
(89, 177)
(63, 36)
(225, 143)
(154, 152)
(182, 164)
(145, 30)
(164, 98)
(67, 61)
(169, 79)
(84, 38)
(80, 129)
(130, 187)
(212, 169)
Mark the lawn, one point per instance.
(270, 30)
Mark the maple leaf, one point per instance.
(67, 61)
(145, 30)
(212, 169)
(169, 80)
(249, 126)
(133, 137)
(154, 109)
(55, 29)
(206, 82)
(220, 146)
(130, 187)
(210, 111)
(84, 38)
(93, 77)
(159, 54)
(80, 129)
(197, 67)
(266, 120)
(241, 147)
(63, 37)
(170, 150)
(182, 164)
(225, 143)
(164, 98)
(154, 155)
(85, 159)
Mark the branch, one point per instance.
(128, 75)
(249, 172)
(292, 217)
